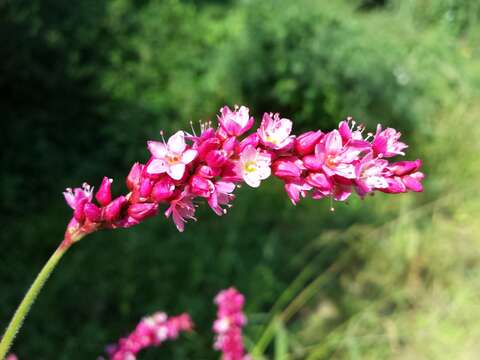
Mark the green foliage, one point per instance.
(387, 277)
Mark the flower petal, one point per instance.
(188, 156)
(176, 171)
(157, 149)
(176, 143)
(157, 166)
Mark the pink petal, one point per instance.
(412, 184)
(333, 142)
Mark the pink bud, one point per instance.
(208, 172)
(145, 188)
(112, 211)
(319, 181)
(313, 162)
(286, 168)
(142, 211)
(104, 194)
(79, 212)
(230, 144)
(405, 167)
(305, 143)
(134, 176)
(92, 212)
(252, 139)
(207, 146)
(201, 186)
(395, 186)
(163, 189)
(216, 158)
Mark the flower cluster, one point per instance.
(229, 323)
(151, 331)
(336, 163)
(211, 164)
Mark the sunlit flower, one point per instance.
(254, 166)
(172, 157)
(236, 122)
(274, 132)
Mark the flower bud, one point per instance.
(230, 144)
(145, 188)
(319, 181)
(142, 211)
(112, 211)
(163, 189)
(312, 162)
(104, 193)
(252, 139)
(286, 168)
(79, 212)
(201, 186)
(208, 172)
(216, 158)
(405, 167)
(207, 146)
(134, 176)
(305, 143)
(92, 212)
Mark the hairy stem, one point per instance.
(27, 302)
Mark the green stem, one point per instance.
(27, 302)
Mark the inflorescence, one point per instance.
(211, 164)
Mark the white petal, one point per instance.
(157, 166)
(176, 143)
(188, 156)
(345, 170)
(176, 171)
(252, 179)
(157, 149)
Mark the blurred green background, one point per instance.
(85, 84)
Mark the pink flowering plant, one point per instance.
(210, 164)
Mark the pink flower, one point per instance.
(386, 142)
(254, 166)
(11, 357)
(297, 189)
(77, 198)
(151, 331)
(274, 132)
(220, 196)
(371, 174)
(181, 208)
(172, 157)
(237, 122)
(229, 323)
(333, 157)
